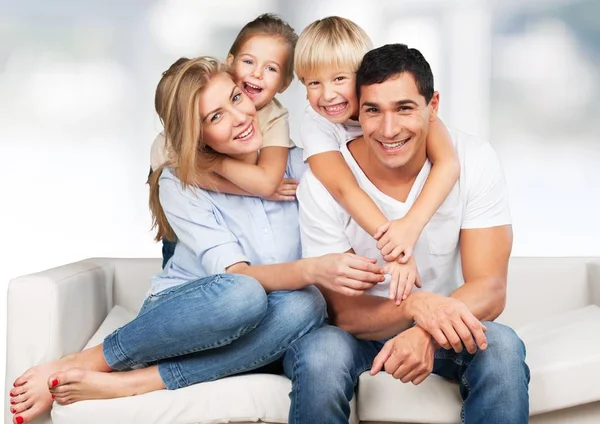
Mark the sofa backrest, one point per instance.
(542, 287)
(537, 287)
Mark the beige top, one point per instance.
(272, 121)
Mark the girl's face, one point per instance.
(259, 68)
(229, 123)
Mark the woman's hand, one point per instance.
(345, 273)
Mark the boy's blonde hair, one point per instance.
(177, 102)
(330, 43)
(270, 25)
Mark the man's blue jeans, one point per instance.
(324, 367)
(212, 328)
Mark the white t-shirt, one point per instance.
(319, 135)
(478, 200)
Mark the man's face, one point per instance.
(395, 119)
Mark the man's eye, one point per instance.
(313, 83)
(372, 110)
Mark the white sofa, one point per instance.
(552, 302)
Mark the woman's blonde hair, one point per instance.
(270, 25)
(177, 102)
(330, 43)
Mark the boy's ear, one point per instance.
(434, 105)
(229, 59)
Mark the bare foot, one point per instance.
(77, 384)
(30, 397)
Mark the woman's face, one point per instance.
(229, 118)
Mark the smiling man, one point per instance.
(462, 255)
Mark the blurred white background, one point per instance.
(77, 119)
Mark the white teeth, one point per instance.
(394, 145)
(335, 108)
(253, 86)
(246, 133)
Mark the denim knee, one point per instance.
(325, 355)
(305, 308)
(505, 354)
(247, 301)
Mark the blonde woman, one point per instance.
(236, 295)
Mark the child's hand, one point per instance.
(286, 192)
(396, 239)
(404, 278)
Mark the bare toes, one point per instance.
(19, 390)
(21, 407)
(23, 378)
(19, 399)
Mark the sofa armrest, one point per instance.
(593, 270)
(55, 312)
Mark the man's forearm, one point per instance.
(367, 317)
(485, 297)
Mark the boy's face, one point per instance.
(259, 68)
(331, 93)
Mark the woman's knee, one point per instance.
(305, 309)
(246, 300)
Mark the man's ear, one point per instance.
(229, 59)
(434, 105)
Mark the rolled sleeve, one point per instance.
(198, 226)
(274, 125)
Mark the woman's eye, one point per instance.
(237, 97)
(215, 117)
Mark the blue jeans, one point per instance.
(212, 328)
(324, 367)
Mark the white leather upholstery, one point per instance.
(548, 304)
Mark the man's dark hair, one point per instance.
(384, 62)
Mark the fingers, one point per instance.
(410, 283)
(476, 328)
(381, 230)
(381, 358)
(361, 263)
(420, 378)
(452, 336)
(280, 198)
(402, 282)
(418, 280)
(466, 337)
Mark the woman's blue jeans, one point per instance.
(212, 328)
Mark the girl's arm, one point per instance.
(260, 180)
(331, 170)
(402, 234)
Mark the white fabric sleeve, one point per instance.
(195, 223)
(322, 221)
(487, 195)
(317, 134)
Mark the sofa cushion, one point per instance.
(563, 354)
(240, 399)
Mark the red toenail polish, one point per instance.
(13, 410)
(54, 382)
(52, 396)
(12, 402)
(20, 420)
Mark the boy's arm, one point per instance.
(402, 234)
(333, 172)
(444, 174)
(259, 180)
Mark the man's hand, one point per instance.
(407, 357)
(448, 321)
(345, 273)
(396, 239)
(286, 192)
(404, 278)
